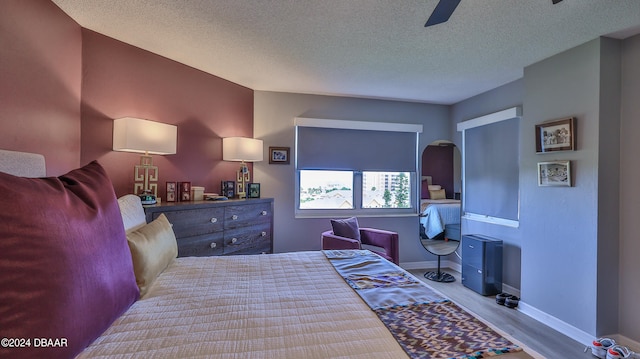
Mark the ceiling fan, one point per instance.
(445, 8)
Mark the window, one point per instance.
(386, 190)
(326, 190)
(355, 167)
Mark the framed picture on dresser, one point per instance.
(254, 190)
(171, 191)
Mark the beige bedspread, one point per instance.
(292, 305)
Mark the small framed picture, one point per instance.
(171, 191)
(558, 135)
(228, 188)
(279, 155)
(554, 173)
(184, 191)
(254, 190)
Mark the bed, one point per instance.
(436, 214)
(82, 294)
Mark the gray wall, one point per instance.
(506, 96)
(629, 270)
(580, 242)
(561, 226)
(273, 123)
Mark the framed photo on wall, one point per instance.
(254, 190)
(554, 173)
(558, 135)
(279, 155)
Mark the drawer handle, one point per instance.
(264, 213)
(234, 217)
(234, 240)
(214, 220)
(263, 233)
(213, 245)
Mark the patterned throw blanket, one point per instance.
(426, 324)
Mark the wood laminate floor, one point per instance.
(530, 332)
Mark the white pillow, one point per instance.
(132, 213)
(434, 187)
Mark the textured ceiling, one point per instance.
(362, 48)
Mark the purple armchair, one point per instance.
(387, 242)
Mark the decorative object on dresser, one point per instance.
(279, 155)
(228, 188)
(254, 190)
(147, 137)
(244, 150)
(184, 191)
(171, 192)
(213, 228)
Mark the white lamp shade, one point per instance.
(138, 135)
(241, 149)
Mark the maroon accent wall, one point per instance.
(62, 86)
(120, 80)
(437, 162)
(40, 82)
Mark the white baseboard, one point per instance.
(511, 290)
(431, 264)
(571, 331)
(557, 324)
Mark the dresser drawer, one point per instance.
(245, 215)
(201, 246)
(251, 239)
(215, 228)
(193, 222)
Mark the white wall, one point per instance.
(273, 123)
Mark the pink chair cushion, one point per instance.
(66, 267)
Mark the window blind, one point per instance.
(491, 169)
(355, 149)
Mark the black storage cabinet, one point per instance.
(482, 264)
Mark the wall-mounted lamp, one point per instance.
(147, 137)
(244, 150)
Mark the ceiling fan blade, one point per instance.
(555, 1)
(442, 12)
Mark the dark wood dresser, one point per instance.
(215, 228)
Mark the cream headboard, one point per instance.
(22, 164)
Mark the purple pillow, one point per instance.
(65, 267)
(346, 228)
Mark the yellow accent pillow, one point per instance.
(439, 194)
(153, 247)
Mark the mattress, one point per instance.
(290, 305)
